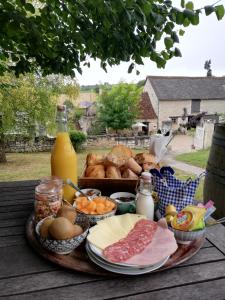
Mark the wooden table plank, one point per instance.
(25, 266)
(13, 222)
(121, 287)
(15, 208)
(205, 290)
(8, 231)
(216, 235)
(20, 259)
(22, 183)
(42, 281)
(12, 241)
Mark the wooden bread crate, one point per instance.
(107, 185)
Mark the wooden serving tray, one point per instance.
(78, 259)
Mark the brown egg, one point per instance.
(62, 229)
(78, 229)
(44, 227)
(67, 212)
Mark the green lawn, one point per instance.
(198, 158)
(25, 166)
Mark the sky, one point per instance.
(199, 43)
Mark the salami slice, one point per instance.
(135, 242)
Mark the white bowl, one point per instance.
(65, 246)
(124, 206)
(185, 237)
(95, 193)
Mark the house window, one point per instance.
(195, 105)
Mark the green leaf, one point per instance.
(195, 20)
(219, 11)
(177, 52)
(30, 8)
(165, 55)
(190, 5)
(168, 42)
(188, 13)
(186, 22)
(181, 32)
(158, 35)
(179, 18)
(182, 3)
(131, 66)
(175, 37)
(168, 27)
(160, 62)
(209, 9)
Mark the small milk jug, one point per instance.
(144, 200)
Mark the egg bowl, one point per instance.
(94, 218)
(68, 245)
(185, 237)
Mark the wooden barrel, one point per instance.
(214, 186)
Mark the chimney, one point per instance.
(207, 66)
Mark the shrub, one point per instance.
(77, 138)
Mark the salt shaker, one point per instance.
(144, 200)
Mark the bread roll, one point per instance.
(122, 151)
(133, 165)
(129, 174)
(148, 166)
(97, 171)
(113, 172)
(95, 159)
(114, 160)
(142, 158)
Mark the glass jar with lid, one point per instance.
(48, 198)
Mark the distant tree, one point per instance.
(25, 101)
(141, 83)
(118, 107)
(59, 36)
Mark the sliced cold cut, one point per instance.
(163, 244)
(134, 243)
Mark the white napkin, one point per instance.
(158, 145)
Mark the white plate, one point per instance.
(123, 270)
(98, 254)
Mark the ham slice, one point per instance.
(162, 245)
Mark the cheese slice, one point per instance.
(113, 229)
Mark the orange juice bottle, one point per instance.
(63, 157)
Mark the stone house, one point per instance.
(180, 98)
(147, 114)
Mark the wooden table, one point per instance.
(25, 275)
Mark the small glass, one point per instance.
(48, 198)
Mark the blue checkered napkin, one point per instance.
(174, 191)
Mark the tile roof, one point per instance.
(146, 109)
(184, 88)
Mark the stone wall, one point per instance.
(25, 144)
(44, 144)
(108, 141)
